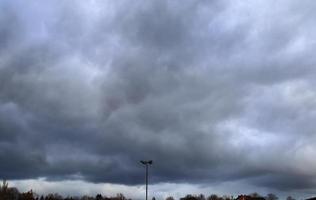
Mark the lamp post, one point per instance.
(146, 163)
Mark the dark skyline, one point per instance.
(220, 94)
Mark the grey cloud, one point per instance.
(285, 182)
(21, 163)
(200, 88)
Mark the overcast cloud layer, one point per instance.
(212, 91)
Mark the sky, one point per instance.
(219, 94)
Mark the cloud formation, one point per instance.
(211, 91)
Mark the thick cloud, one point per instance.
(211, 91)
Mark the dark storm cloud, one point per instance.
(211, 91)
(285, 182)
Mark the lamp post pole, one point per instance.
(146, 182)
(146, 163)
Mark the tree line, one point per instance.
(11, 193)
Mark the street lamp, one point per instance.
(146, 163)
